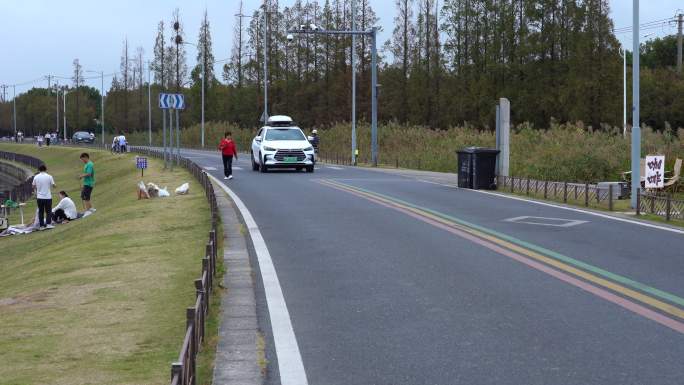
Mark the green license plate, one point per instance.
(290, 159)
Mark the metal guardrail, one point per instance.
(23, 191)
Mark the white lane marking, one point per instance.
(209, 168)
(334, 168)
(673, 230)
(584, 212)
(237, 168)
(290, 363)
(544, 221)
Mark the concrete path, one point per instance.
(237, 352)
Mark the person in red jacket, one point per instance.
(228, 151)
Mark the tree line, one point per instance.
(445, 64)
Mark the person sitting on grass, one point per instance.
(65, 209)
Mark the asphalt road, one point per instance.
(394, 279)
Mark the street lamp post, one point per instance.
(102, 121)
(64, 94)
(149, 105)
(636, 125)
(14, 110)
(372, 33)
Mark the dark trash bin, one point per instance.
(477, 168)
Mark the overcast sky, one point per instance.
(41, 37)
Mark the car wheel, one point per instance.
(255, 166)
(309, 168)
(263, 166)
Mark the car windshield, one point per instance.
(284, 134)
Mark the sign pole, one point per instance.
(170, 138)
(636, 124)
(164, 136)
(177, 138)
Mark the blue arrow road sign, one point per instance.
(174, 101)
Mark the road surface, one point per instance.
(403, 279)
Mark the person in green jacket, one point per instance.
(88, 177)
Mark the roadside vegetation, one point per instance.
(101, 300)
(564, 152)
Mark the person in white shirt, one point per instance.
(115, 144)
(122, 143)
(65, 209)
(42, 184)
(40, 140)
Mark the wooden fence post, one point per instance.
(610, 197)
(528, 187)
(546, 189)
(586, 194)
(565, 192)
(638, 208)
(177, 370)
(512, 183)
(668, 206)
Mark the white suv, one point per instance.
(281, 144)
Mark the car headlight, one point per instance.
(308, 148)
(266, 148)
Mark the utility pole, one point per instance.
(636, 125)
(353, 66)
(64, 94)
(149, 104)
(14, 108)
(57, 108)
(265, 64)
(680, 22)
(624, 93)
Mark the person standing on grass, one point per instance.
(42, 184)
(88, 177)
(228, 151)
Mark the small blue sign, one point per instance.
(173, 101)
(141, 163)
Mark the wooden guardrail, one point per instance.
(184, 369)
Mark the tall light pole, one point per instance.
(636, 125)
(149, 104)
(353, 66)
(372, 33)
(64, 94)
(264, 116)
(265, 64)
(14, 108)
(56, 108)
(624, 93)
(202, 70)
(102, 121)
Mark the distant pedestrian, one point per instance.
(315, 140)
(42, 185)
(88, 177)
(48, 138)
(228, 151)
(122, 143)
(40, 140)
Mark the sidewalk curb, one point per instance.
(237, 351)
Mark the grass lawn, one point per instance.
(101, 300)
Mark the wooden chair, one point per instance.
(627, 175)
(672, 182)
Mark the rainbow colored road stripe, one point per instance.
(654, 304)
